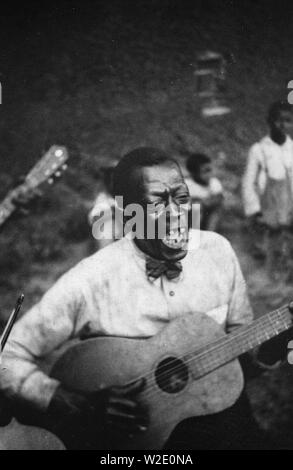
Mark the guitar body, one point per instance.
(16, 436)
(170, 396)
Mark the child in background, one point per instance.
(104, 205)
(205, 189)
(268, 185)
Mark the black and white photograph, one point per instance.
(146, 228)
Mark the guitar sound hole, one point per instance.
(171, 375)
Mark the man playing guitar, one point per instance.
(134, 289)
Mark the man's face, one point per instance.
(283, 123)
(205, 173)
(164, 188)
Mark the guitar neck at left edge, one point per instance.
(50, 164)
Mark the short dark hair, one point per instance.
(195, 161)
(124, 183)
(276, 108)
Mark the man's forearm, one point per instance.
(22, 381)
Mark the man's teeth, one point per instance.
(176, 233)
(175, 237)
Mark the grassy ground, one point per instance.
(106, 80)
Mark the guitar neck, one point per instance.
(6, 208)
(49, 165)
(241, 341)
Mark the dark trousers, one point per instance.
(231, 429)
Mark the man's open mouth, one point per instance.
(176, 239)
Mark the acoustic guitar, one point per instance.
(17, 436)
(50, 165)
(190, 369)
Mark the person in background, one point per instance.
(205, 189)
(267, 187)
(104, 205)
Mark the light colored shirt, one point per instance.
(200, 192)
(265, 159)
(104, 203)
(109, 294)
(104, 207)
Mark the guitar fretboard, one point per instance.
(6, 209)
(50, 164)
(245, 338)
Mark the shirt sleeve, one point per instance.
(196, 191)
(239, 312)
(216, 186)
(269, 355)
(37, 334)
(250, 196)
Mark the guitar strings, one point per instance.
(225, 340)
(152, 389)
(213, 347)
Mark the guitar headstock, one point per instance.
(50, 165)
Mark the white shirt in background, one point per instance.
(265, 159)
(200, 192)
(104, 203)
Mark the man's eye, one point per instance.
(159, 205)
(155, 206)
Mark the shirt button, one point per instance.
(171, 293)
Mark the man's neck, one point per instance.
(144, 246)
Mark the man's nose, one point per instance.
(174, 209)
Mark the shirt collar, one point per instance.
(269, 141)
(140, 257)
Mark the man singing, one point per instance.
(133, 288)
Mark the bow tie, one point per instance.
(155, 268)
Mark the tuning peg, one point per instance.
(58, 173)
(58, 153)
(64, 167)
(50, 181)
